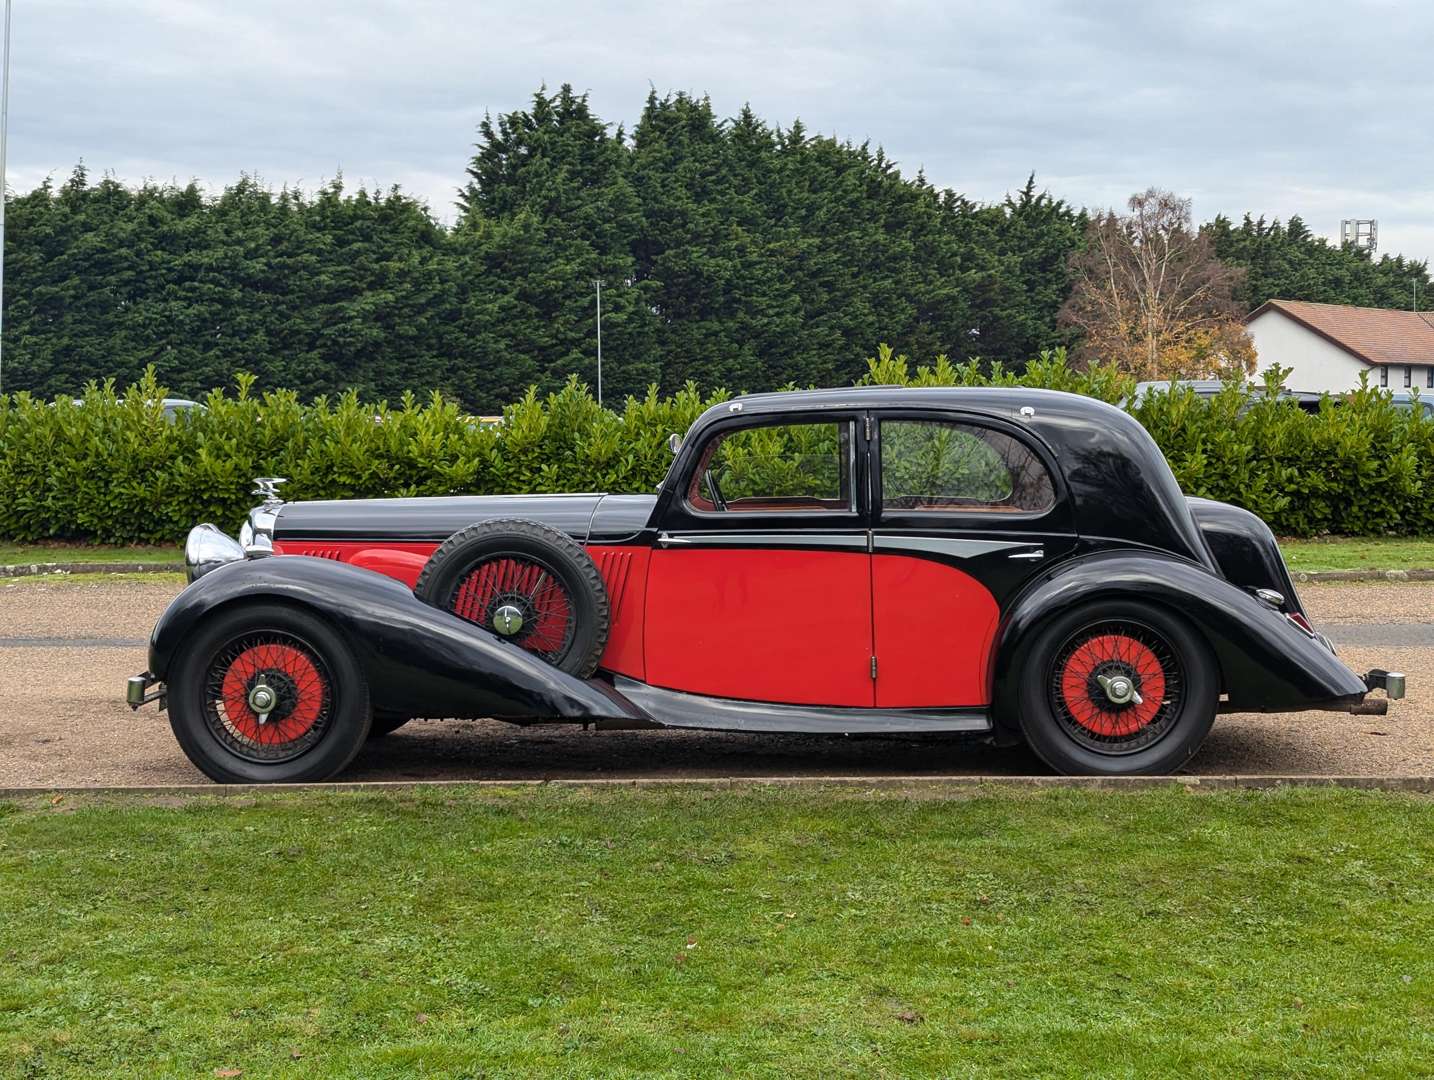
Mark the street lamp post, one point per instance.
(4, 126)
(598, 283)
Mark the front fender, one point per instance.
(1266, 663)
(417, 659)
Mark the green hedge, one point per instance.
(113, 469)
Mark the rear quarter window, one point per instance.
(943, 466)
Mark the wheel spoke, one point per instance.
(1090, 712)
(532, 587)
(300, 681)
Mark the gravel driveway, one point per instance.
(67, 647)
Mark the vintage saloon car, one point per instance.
(1019, 563)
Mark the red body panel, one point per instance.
(763, 624)
(403, 561)
(624, 572)
(934, 626)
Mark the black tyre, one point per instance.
(1118, 689)
(258, 655)
(528, 583)
(386, 723)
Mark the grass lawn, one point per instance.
(1370, 553)
(697, 931)
(88, 553)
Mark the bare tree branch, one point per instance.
(1150, 295)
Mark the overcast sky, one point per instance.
(1311, 107)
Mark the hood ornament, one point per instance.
(268, 487)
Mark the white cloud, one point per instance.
(1275, 108)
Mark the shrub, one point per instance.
(113, 469)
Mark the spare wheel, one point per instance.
(526, 582)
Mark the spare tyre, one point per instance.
(526, 582)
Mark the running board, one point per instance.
(674, 709)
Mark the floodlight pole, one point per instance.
(4, 126)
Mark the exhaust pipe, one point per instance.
(1372, 707)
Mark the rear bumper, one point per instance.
(1391, 682)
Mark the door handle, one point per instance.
(665, 539)
(1039, 553)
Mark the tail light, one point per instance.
(1299, 620)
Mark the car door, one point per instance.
(964, 510)
(760, 584)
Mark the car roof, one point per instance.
(1000, 399)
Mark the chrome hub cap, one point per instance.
(508, 620)
(262, 700)
(1119, 690)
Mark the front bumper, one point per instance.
(143, 688)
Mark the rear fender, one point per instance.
(1245, 549)
(1266, 663)
(417, 659)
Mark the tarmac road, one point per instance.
(67, 647)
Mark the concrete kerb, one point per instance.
(929, 784)
(37, 569)
(1362, 575)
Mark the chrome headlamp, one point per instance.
(207, 548)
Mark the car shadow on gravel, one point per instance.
(485, 749)
(491, 750)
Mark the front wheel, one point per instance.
(1119, 689)
(266, 693)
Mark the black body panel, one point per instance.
(1266, 663)
(620, 518)
(429, 518)
(418, 659)
(1245, 549)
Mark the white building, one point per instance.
(1329, 345)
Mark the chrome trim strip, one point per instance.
(673, 708)
(954, 546)
(856, 541)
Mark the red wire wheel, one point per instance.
(526, 583)
(1116, 687)
(268, 697)
(520, 598)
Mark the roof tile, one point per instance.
(1376, 335)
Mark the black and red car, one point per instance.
(1019, 563)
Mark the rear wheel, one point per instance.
(527, 583)
(268, 693)
(1118, 689)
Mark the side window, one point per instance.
(931, 465)
(779, 468)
